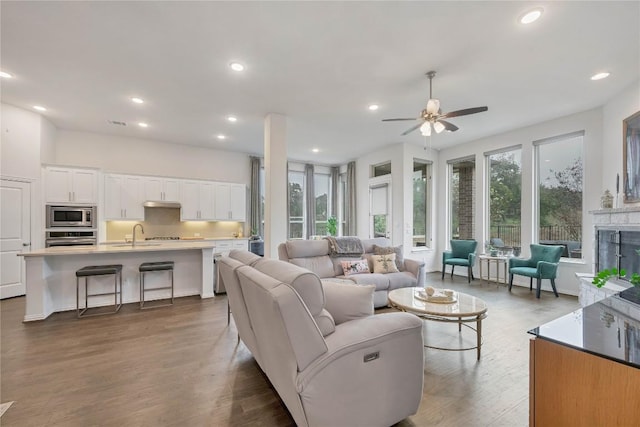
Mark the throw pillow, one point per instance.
(383, 250)
(348, 302)
(384, 263)
(355, 267)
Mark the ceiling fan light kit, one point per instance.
(432, 115)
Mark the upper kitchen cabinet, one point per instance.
(197, 200)
(231, 202)
(123, 197)
(70, 185)
(161, 189)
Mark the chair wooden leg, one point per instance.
(443, 265)
(469, 273)
(538, 284)
(530, 283)
(553, 286)
(452, 267)
(510, 281)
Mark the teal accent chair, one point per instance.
(462, 253)
(543, 264)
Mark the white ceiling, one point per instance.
(319, 63)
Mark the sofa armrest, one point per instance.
(381, 352)
(416, 268)
(348, 301)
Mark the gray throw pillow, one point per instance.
(348, 302)
(384, 250)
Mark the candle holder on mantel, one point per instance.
(606, 201)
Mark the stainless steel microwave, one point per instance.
(71, 216)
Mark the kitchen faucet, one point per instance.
(133, 243)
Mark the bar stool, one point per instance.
(98, 270)
(147, 267)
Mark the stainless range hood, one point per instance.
(160, 204)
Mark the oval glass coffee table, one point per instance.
(465, 309)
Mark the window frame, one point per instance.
(428, 194)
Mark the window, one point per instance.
(381, 169)
(321, 184)
(559, 186)
(296, 205)
(421, 206)
(462, 203)
(505, 194)
(342, 212)
(262, 197)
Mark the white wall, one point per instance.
(20, 142)
(617, 109)
(145, 157)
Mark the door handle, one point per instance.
(26, 244)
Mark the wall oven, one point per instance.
(71, 216)
(70, 238)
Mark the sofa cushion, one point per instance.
(384, 264)
(347, 302)
(321, 265)
(307, 248)
(381, 281)
(358, 266)
(244, 256)
(401, 279)
(382, 250)
(380, 241)
(306, 284)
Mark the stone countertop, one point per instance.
(609, 328)
(121, 248)
(181, 240)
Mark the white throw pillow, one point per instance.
(384, 263)
(355, 267)
(348, 302)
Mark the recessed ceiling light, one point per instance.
(137, 100)
(531, 16)
(600, 76)
(232, 119)
(236, 66)
(39, 108)
(373, 107)
(143, 125)
(5, 75)
(221, 137)
(315, 150)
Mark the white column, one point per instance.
(275, 167)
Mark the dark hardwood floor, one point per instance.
(182, 366)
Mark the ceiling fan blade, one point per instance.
(398, 120)
(464, 112)
(449, 126)
(411, 129)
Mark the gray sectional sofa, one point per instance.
(314, 255)
(331, 360)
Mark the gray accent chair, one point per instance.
(362, 372)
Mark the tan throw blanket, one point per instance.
(345, 246)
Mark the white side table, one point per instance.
(500, 261)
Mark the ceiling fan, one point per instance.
(433, 116)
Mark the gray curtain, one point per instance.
(350, 208)
(335, 182)
(310, 217)
(255, 219)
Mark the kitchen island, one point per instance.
(51, 281)
(585, 366)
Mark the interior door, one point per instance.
(15, 235)
(380, 210)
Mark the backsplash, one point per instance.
(166, 222)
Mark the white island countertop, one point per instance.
(120, 248)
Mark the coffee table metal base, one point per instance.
(461, 321)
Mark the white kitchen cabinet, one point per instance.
(230, 202)
(196, 198)
(161, 189)
(70, 185)
(123, 197)
(224, 246)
